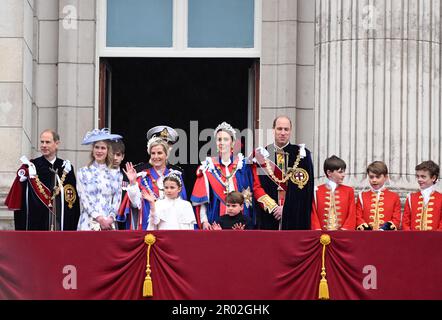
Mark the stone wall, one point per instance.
(378, 85)
(47, 80)
(16, 84)
(287, 66)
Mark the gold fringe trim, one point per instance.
(149, 239)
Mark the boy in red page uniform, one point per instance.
(378, 208)
(423, 209)
(334, 205)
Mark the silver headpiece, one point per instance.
(176, 175)
(227, 128)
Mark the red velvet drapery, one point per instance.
(244, 265)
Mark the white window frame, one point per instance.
(179, 46)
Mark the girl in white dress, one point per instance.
(172, 212)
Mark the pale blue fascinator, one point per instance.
(99, 135)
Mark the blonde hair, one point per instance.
(158, 142)
(109, 157)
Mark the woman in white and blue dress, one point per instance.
(98, 184)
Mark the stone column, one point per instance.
(287, 67)
(378, 85)
(76, 74)
(44, 108)
(16, 54)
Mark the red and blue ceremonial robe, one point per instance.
(210, 188)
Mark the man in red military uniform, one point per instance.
(378, 208)
(334, 205)
(423, 209)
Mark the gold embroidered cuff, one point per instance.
(268, 203)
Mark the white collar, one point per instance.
(226, 163)
(52, 161)
(379, 190)
(331, 184)
(426, 192)
(280, 148)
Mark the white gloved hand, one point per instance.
(31, 167)
(32, 170)
(67, 166)
(302, 151)
(262, 151)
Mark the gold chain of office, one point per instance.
(290, 172)
(56, 190)
(217, 173)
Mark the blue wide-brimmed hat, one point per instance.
(99, 135)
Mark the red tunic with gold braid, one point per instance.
(375, 212)
(418, 216)
(334, 210)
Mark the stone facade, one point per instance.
(359, 78)
(287, 65)
(378, 85)
(47, 79)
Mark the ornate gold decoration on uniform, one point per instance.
(299, 177)
(248, 196)
(164, 134)
(70, 195)
(377, 215)
(56, 189)
(425, 216)
(217, 172)
(333, 222)
(268, 203)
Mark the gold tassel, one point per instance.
(149, 239)
(147, 287)
(323, 286)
